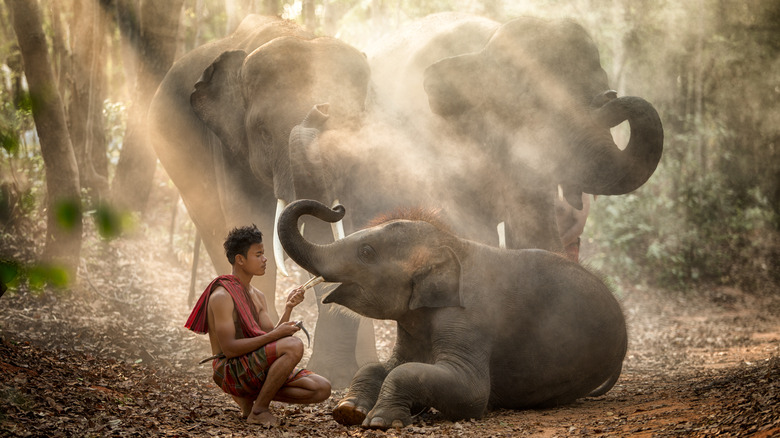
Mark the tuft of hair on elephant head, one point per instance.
(479, 327)
(233, 121)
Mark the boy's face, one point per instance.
(254, 262)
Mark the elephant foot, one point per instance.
(348, 414)
(387, 418)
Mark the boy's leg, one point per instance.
(310, 389)
(289, 352)
(245, 404)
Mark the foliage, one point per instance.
(36, 276)
(705, 233)
(710, 213)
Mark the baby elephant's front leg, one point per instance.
(456, 392)
(362, 394)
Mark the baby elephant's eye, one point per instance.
(367, 254)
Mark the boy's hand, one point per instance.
(286, 329)
(295, 297)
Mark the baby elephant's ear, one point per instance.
(437, 284)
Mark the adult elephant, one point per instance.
(478, 327)
(526, 106)
(230, 122)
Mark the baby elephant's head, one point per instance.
(401, 263)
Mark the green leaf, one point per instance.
(25, 102)
(108, 221)
(40, 276)
(9, 141)
(57, 277)
(36, 277)
(9, 273)
(68, 214)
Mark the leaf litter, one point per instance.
(110, 357)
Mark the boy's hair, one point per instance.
(239, 240)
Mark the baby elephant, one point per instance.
(478, 327)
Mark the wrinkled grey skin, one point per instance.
(478, 327)
(526, 106)
(230, 123)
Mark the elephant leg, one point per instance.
(362, 395)
(365, 351)
(267, 285)
(535, 230)
(457, 391)
(335, 338)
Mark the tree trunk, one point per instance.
(156, 46)
(127, 19)
(13, 61)
(60, 53)
(309, 16)
(64, 225)
(87, 94)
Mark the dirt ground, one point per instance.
(110, 357)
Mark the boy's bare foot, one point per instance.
(264, 418)
(245, 404)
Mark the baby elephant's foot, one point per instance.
(348, 414)
(387, 418)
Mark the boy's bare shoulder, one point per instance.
(220, 296)
(256, 292)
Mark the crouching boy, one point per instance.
(254, 361)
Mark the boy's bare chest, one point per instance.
(237, 319)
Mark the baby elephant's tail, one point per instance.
(606, 386)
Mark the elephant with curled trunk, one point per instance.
(479, 327)
(527, 107)
(230, 123)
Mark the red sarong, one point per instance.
(247, 314)
(243, 376)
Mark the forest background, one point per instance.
(76, 166)
(97, 250)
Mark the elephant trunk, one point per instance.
(603, 169)
(306, 166)
(305, 156)
(311, 257)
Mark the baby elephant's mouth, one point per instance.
(342, 293)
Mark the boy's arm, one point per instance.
(294, 297)
(221, 305)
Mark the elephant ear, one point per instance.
(219, 102)
(437, 284)
(453, 84)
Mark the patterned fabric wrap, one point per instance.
(243, 376)
(247, 314)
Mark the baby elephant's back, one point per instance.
(565, 335)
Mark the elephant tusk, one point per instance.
(501, 228)
(278, 251)
(338, 227)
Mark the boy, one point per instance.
(256, 361)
